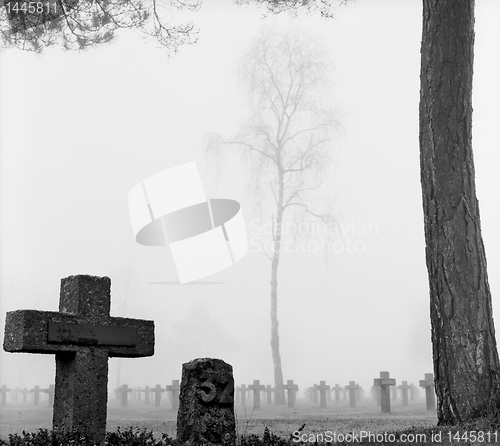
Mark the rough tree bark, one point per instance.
(466, 364)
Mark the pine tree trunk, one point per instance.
(466, 364)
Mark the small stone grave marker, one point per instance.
(206, 406)
(174, 388)
(428, 385)
(384, 382)
(82, 336)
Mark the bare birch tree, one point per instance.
(465, 355)
(286, 139)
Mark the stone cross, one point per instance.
(36, 392)
(175, 389)
(337, 390)
(428, 384)
(404, 392)
(257, 387)
(123, 392)
(4, 391)
(157, 390)
(206, 403)
(384, 382)
(353, 388)
(50, 391)
(291, 392)
(322, 388)
(269, 394)
(82, 336)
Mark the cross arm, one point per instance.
(33, 331)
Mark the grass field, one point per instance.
(280, 420)
(338, 419)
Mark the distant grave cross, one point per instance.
(428, 384)
(337, 390)
(352, 387)
(269, 392)
(404, 391)
(82, 336)
(157, 390)
(257, 387)
(36, 395)
(384, 382)
(123, 392)
(322, 387)
(175, 389)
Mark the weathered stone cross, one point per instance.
(385, 393)
(82, 335)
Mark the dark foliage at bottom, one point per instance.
(128, 437)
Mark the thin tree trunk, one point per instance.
(466, 364)
(279, 391)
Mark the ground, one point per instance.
(280, 420)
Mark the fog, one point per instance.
(79, 130)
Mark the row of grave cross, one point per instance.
(122, 393)
(82, 336)
(174, 389)
(381, 390)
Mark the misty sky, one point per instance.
(79, 130)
